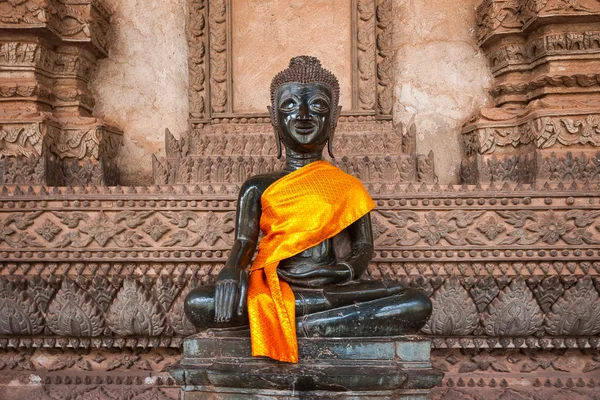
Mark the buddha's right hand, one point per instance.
(230, 282)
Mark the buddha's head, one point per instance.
(304, 106)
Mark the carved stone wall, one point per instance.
(545, 57)
(224, 145)
(48, 50)
(93, 279)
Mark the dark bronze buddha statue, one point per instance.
(331, 299)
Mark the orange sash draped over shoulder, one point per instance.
(299, 211)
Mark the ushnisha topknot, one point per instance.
(307, 69)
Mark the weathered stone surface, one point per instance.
(142, 86)
(440, 76)
(438, 73)
(547, 108)
(275, 32)
(48, 52)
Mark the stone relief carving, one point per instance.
(218, 15)
(72, 312)
(513, 312)
(196, 59)
(385, 62)
(108, 262)
(367, 47)
(364, 149)
(454, 314)
(46, 117)
(101, 314)
(577, 311)
(538, 112)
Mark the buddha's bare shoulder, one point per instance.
(259, 183)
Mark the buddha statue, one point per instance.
(301, 283)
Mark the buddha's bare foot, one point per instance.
(240, 331)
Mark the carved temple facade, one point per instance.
(93, 274)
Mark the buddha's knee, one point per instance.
(199, 306)
(416, 308)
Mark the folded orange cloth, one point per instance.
(299, 211)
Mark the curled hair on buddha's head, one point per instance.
(306, 69)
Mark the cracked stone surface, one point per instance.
(142, 86)
(441, 76)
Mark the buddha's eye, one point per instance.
(319, 105)
(288, 105)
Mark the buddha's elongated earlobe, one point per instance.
(332, 132)
(276, 130)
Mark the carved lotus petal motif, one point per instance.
(513, 313)
(103, 292)
(19, 314)
(135, 312)
(454, 312)
(166, 291)
(40, 291)
(484, 291)
(548, 291)
(576, 313)
(180, 324)
(73, 312)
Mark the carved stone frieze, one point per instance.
(151, 307)
(46, 102)
(104, 264)
(497, 17)
(544, 56)
(581, 129)
(365, 148)
(366, 55)
(108, 374)
(70, 21)
(197, 59)
(516, 374)
(385, 57)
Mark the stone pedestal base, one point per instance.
(339, 368)
(212, 393)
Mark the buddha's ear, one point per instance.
(332, 133)
(275, 130)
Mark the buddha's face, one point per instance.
(304, 113)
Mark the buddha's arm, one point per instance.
(361, 240)
(233, 278)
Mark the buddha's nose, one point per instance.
(303, 113)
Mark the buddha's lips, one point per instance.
(304, 129)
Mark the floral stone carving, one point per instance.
(73, 312)
(576, 312)
(513, 313)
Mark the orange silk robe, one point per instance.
(299, 211)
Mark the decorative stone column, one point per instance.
(48, 50)
(545, 56)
